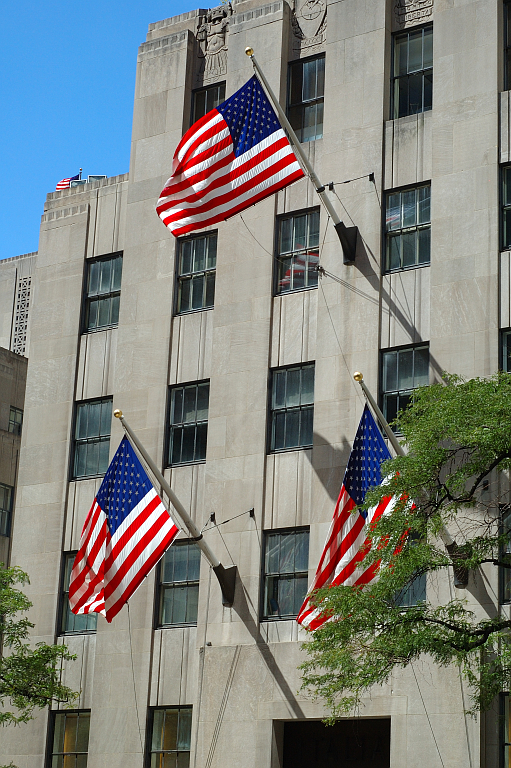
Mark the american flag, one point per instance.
(125, 534)
(347, 544)
(234, 156)
(66, 183)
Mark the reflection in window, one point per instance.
(298, 252)
(292, 407)
(92, 437)
(413, 71)
(6, 499)
(189, 406)
(408, 228)
(286, 560)
(206, 99)
(196, 273)
(69, 622)
(306, 88)
(70, 743)
(15, 420)
(179, 585)
(403, 371)
(505, 554)
(103, 293)
(170, 737)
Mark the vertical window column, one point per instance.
(103, 293)
(196, 273)
(408, 228)
(179, 585)
(306, 89)
(189, 405)
(206, 99)
(292, 407)
(6, 499)
(170, 737)
(403, 371)
(286, 560)
(70, 742)
(15, 420)
(298, 252)
(93, 424)
(413, 71)
(71, 623)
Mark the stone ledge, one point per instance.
(62, 213)
(61, 196)
(163, 45)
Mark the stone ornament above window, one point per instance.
(409, 13)
(212, 38)
(308, 19)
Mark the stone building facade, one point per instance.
(404, 100)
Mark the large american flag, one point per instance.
(234, 156)
(125, 534)
(347, 543)
(66, 183)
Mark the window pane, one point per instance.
(428, 47)
(302, 551)
(306, 433)
(185, 729)
(393, 217)
(103, 313)
(393, 252)
(401, 55)
(286, 233)
(190, 404)
(415, 51)
(296, 70)
(192, 604)
(167, 605)
(211, 243)
(295, 118)
(408, 202)
(158, 725)
(313, 229)
(92, 459)
(82, 736)
(177, 406)
(93, 281)
(80, 459)
(309, 122)
(202, 401)
(105, 276)
(506, 217)
(193, 562)
(188, 444)
(424, 245)
(292, 429)
(114, 310)
(424, 215)
(186, 257)
(106, 417)
(176, 439)
(286, 596)
(200, 442)
(307, 388)
(287, 553)
(421, 367)
(117, 273)
(179, 608)
(428, 91)
(170, 729)
(279, 389)
(401, 97)
(390, 407)
(415, 94)
(199, 104)
(279, 426)
(70, 733)
(58, 733)
(405, 369)
(300, 224)
(319, 120)
(93, 419)
(293, 387)
(389, 371)
(210, 290)
(180, 557)
(272, 558)
(198, 291)
(320, 82)
(199, 261)
(409, 248)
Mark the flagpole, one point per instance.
(225, 576)
(460, 573)
(348, 237)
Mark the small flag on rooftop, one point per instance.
(234, 156)
(347, 544)
(66, 183)
(125, 534)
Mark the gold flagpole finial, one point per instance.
(358, 376)
(118, 413)
(249, 51)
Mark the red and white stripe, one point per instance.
(345, 549)
(63, 184)
(108, 569)
(210, 184)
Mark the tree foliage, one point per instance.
(458, 440)
(29, 676)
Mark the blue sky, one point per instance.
(68, 80)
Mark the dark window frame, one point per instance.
(206, 272)
(394, 108)
(51, 732)
(149, 732)
(17, 426)
(297, 574)
(403, 231)
(6, 520)
(86, 301)
(293, 254)
(162, 585)
(382, 392)
(64, 595)
(170, 425)
(205, 88)
(271, 411)
(303, 104)
(74, 441)
(505, 528)
(505, 349)
(505, 208)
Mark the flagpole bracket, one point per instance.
(348, 237)
(227, 580)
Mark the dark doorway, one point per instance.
(360, 743)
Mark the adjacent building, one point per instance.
(232, 357)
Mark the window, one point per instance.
(505, 554)
(206, 99)
(413, 71)
(93, 423)
(170, 735)
(286, 559)
(179, 585)
(506, 208)
(70, 743)
(103, 293)
(408, 228)
(506, 351)
(6, 498)
(298, 253)
(188, 423)
(15, 420)
(403, 371)
(507, 45)
(506, 730)
(69, 622)
(292, 407)
(196, 273)
(361, 742)
(306, 88)
(415, 591)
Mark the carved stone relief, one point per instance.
(308, 20)
(412, 12)
(212, 38)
